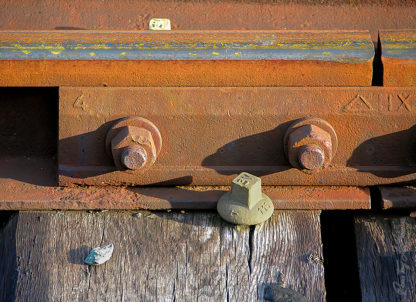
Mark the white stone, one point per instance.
(100, 255)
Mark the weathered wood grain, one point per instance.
(165, 257)
(8, 264)
(386, 249)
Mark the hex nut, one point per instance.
(309, 145)
(133, 148)
(245, 204)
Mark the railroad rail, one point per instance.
(116, 136)
(213, 126)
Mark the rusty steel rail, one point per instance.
(211, 134)
(333, 46)
(186, 58)
(398, 48)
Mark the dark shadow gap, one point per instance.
(342, 280)
(8, 259)
(5, 217)
(377, 65)
(29, 134)
(376, 200)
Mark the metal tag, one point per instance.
(159, 24)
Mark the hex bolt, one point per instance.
(310, 144)
(245, 204)
(134, 157)
(133, 148)
(311, 157)
(134, 143)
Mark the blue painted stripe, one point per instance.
(392, 51)
(397, 44)
(349, 51)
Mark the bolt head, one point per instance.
(246, 188)
(133, 148)
(311, 157)
(245, 204)
(309, 148)
(134, 158)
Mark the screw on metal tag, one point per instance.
(159, 24)
(245, 204)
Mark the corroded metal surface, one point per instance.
(397, 197)
(134, 143)
(212, 134)
(238, 58)
(310, 144)
(30, 184)
(399, 57)
(208, 14)
(31, 197)
(184, 73)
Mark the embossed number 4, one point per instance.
(79, 103)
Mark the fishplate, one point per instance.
(211, 134)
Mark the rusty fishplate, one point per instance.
(211, 134)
